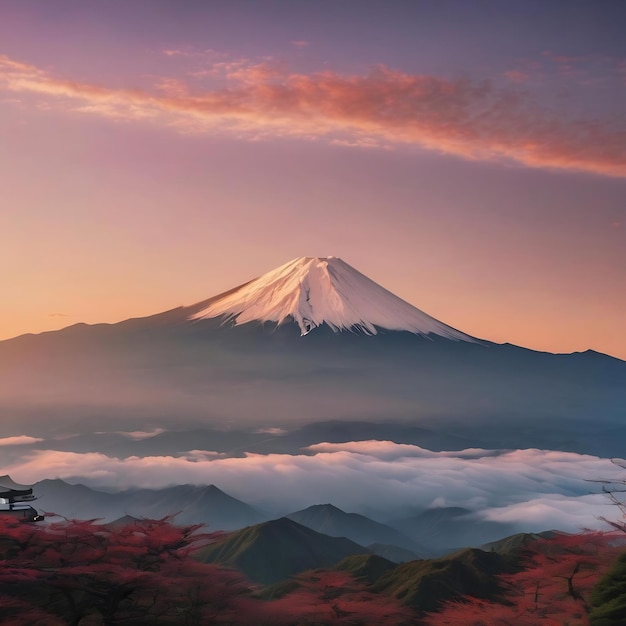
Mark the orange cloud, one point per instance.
(469, 119)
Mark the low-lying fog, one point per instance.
(534, 489)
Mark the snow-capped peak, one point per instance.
(313, 291)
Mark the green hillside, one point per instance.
(425, 584)
(369, 567)
(520, 540)
(608, 600)
(271, 552)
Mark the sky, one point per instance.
(470, 157)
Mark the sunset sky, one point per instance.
(469, 156)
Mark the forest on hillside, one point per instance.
(82, 573)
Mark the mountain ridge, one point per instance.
(333, 521)
(272, 551)
(206, 504)
(168, 369)
(313, 291)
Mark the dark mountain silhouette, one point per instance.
(447, 528)
(120, 522)
(271, 552)
(330, 520)
(194, 504)
(393, 553)
(78, 501)
(191, 504)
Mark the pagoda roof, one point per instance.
(8, 485)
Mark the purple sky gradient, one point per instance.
(470, 157)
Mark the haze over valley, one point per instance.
(382, 410)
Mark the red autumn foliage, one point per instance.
(553, 588)
(331, 597)
(80, 573)
(73, 570)
(15, 612)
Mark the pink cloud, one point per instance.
(469, 119)
(300, 43)
(20, 440)
(135, 434)
(517, 76)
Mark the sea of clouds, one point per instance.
(533, 489)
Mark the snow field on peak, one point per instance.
(313, 291)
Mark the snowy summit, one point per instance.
(312, 291)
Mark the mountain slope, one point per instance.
(313, 291)
(194, 504)
(485, 395)
(426, 584)
(393, 553)
(181, 368)
(330, 520)
(519, 541)
(190, 503)
(369, 567)
(272, 551)
(423, 584)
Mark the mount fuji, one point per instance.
(313, 291)
(311, 342)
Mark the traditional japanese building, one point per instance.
(14, 500)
